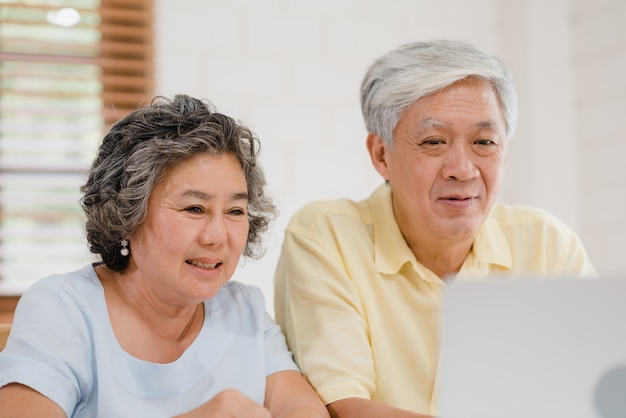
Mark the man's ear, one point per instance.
(378, 154)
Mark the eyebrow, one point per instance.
(205, 196)
(489, 124)
(427, 123)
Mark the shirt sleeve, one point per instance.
(319, 309)
(42, 352)
(564, 251)
(277, 356)
(575, 260)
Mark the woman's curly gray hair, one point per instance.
(137, 152)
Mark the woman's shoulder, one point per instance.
(241, 293)
(237, 305)
(77, 290)
(82, 280)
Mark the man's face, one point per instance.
(446, 164)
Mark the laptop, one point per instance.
(533, 347)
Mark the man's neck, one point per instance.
(443, 258)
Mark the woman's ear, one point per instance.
(378, 151)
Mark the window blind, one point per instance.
(68, 69)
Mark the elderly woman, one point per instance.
(156, 329)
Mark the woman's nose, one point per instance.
(215, 231)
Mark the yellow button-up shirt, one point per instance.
(361, 314)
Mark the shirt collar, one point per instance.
(490, 249)
(391, 251)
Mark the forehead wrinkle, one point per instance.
(207, 196)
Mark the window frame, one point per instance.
(125, 56)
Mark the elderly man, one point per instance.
(358, 284)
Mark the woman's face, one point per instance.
(195, 230)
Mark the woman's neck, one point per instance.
(144, 325)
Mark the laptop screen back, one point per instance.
(534, 348)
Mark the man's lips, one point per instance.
(457, 197)
(458, 201)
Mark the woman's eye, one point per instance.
(237, 212)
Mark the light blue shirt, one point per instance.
(63, 346)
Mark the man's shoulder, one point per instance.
(520, 214)
(530, 219)
(325, 211)
(538, 241)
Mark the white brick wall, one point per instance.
(291, 70)
(599, 62)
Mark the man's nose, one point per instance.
(459, 164)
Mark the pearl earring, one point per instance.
(124, 251)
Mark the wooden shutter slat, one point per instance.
(60, 113)
(144, 34)
(139, 16)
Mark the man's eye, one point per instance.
(195, 209)
(432, 141)
(485, 142)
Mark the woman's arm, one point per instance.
(21, 401)
(287, 394)
(363, 408)
(228, 403)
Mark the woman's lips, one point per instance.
(202, 265)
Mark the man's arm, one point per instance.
(365, 408)
(319, 310)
